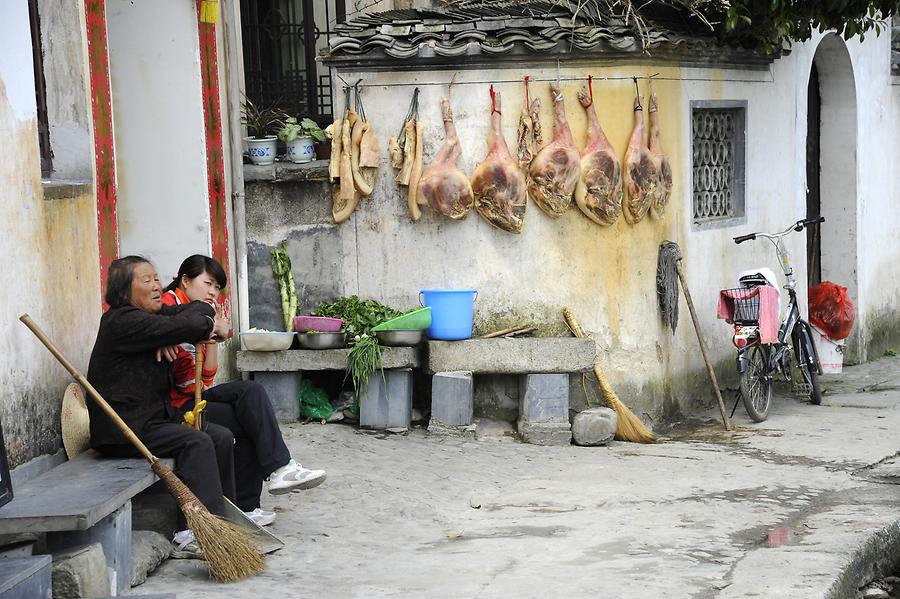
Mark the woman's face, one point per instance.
(203, 287)
(146, 292)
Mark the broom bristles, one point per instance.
(628, 426)
(228, 549)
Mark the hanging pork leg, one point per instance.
(662, 191)
(599, 190)
(446, 188)
(555, 169)
(498, 183)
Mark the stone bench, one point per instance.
(25, 577)
(84, 500)
(542, 363)
(386, 403)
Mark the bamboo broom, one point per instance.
(628, 426)
(229, 553)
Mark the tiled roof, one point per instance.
(544, 28)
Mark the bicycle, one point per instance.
(758, 363)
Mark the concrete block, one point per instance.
(148, 550)
(594, 426)
(80, 572)
(545, 433)
(452, 399)
(387, 401)
(113, 534)
(513, 356)
(283, 389)
(544, 409)
(25, 577)
(544, 398)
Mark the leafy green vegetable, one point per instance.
(281, 268)
(359, 317)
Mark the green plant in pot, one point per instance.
(300, 137)
(262, 123)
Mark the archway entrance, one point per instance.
(832, 174)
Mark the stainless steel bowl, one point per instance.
(322, 340)
(400, 338)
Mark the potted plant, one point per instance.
(262, 122)
(299, 138)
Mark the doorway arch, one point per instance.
(832, 179)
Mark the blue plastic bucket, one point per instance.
(451, 312)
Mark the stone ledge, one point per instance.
(320, 359)
(545, 355)
(66, 189)
(317, 170)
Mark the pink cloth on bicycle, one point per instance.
(768, 309)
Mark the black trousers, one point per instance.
(244, 409)
(204, 460)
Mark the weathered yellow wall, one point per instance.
(49, 258)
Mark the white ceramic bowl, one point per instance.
(274, 341)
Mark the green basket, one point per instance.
(417, 320)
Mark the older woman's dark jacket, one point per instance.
(124, 369)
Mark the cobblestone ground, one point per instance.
(422, 516)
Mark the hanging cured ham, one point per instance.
(640, 172)
(554, 171)
(662, 191)
(599, 190)
(498, 183)
(443, 186)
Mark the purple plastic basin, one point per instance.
(322, 324)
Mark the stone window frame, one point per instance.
(738, 180)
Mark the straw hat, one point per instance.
(76, 425)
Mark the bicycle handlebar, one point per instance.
(798, 226)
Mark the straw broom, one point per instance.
(229, 553)
(628, 426)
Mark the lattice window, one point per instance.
(717, 143)
(281, 39)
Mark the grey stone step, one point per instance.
(545, 355)
(322, 359)
(76, 494)
(25, 577)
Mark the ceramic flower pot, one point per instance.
(261, 150)
(301, 149)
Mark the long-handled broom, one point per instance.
(628, 427)
(228, 552)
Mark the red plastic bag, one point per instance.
(831, 310)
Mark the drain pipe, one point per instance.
(234, 70)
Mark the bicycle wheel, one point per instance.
(803, 349)
(756, 385)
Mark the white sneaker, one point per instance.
(293, 477)
(186, 546)
(261, 517)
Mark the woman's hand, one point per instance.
(169, 352)
(221, 329)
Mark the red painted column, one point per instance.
(104, 147)
(215, 158)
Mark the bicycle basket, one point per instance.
(746, 304)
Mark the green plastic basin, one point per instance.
(416, 320)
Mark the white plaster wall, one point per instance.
(163, 204)
(608, 274)
(48, 249)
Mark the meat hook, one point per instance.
(527, 99)
(637, 91)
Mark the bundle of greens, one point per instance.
(359, 317)
(281, 268)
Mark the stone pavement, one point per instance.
(693, 516)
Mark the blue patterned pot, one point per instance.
(301, 149)
(262, 151)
